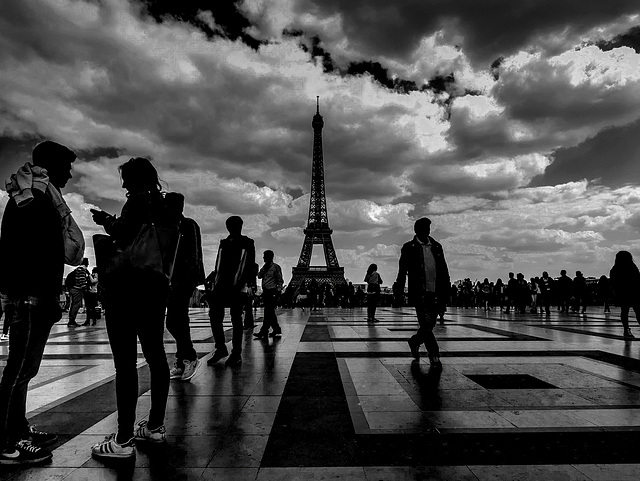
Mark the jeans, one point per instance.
(130, 316)
(178, 323)
(427, 313)
(270, 320)
(236, 301)
(31, 319)
(76, 302)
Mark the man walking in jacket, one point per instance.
(38, 236)
(422, 261)
(271, 275)
(229, 284)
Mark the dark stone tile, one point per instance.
(509, 381)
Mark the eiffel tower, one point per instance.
(318, 230)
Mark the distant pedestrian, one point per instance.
(78, 282)
(374, 281)
(230, 282)
(422, 261)
(135, 303)
(604, 292)
(90, 296)
(564, 290)
(625, 281)
(188, 273)
(272, 282)
(580, 293)
(545, 284)
(512, 293)
(250, 303)
(37, 238)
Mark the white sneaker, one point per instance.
(4, 337)
(110, 449)
(190, 368)
(176, 371)
(143, 433)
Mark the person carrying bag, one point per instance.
(137, 264)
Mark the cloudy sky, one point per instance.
(514, 126)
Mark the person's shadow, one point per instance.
(428, 386)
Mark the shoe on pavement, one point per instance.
(276, 333)
(218, 355)
(414, 346)
(110, 449)
(435, 362)
(190, 368)
(176, 371)
(73, 324)
(143, 433)
(628, 334)
(41, 438)
(24, 452)
(233, 360)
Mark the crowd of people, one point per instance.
(152, 251)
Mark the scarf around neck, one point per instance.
(20, 187)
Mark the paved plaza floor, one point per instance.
(526, 397)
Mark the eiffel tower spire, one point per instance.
(318, 230)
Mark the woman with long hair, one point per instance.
(374, 281)
(128, 319)
(625, 281)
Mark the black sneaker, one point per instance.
(435, 362)
(217, 355)
(414, 346)
(24, 452)
(276, 333)
(233, 360)
(40, 438)
(73, 324)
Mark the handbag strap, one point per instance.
(175, 253)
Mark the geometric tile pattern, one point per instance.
(519, 397)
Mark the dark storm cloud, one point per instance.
(627, 39)
(611, 157)
(488, 29)
(230, 22)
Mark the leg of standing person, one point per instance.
(150, 330)
(624, 318)
(236, 310)
(76, 302)
(31, 320)
(248, 312)
(186, 358)
(372, 303)
(216, 317)
(122, 335)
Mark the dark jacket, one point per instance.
(188, 271)
(31, 248)
(412, 265)
(141, 208)
(235, 265)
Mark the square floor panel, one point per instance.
(509, 381)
